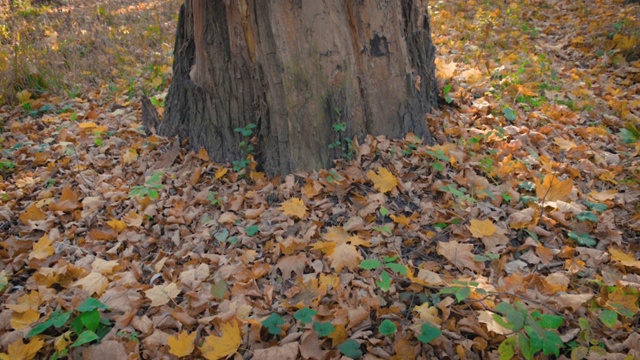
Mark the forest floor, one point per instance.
(516, 236)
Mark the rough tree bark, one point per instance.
(296, 68)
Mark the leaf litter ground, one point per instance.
(527, 207)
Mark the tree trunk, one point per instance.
(307, 73)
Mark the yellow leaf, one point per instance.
(294, 207)
(156, 81)
(181, 344)
(624, 258)
(162, 294)
(42, 249)
(203, 154)
(384, 181)
(20, 350)
(345, 255)
(221, 172)
(23, 320)
(429, 313)
(482, 228)
(87, 125)
(553, 189)
(23, 96)
(103, 266)
(130, 156)
(218, 347)
(337, 234)
(117, 225)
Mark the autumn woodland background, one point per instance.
(515, 236)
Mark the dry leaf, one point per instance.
(459, 255)
(218, 347)
(94, 283)
(181, 344)
(294, 207)
(42, 249)
(19, 350)
(162, 294)
(481, 228)
(384, 181)
(553, 189)
(624, 258)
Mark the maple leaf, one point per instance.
(130, 156)
(19, 350)
(117, 225)
(181, 344)
(34, 213)
(345, 255)
(218, 347)
(42, 249)
(94, 283)
(553, 189)
(481, 228)
(22, 320)
(459, 255)
(294, 207)
(428, 312)
(624, 258)
(162, 294)
(384, 181)
(103, 266)
(68, 201)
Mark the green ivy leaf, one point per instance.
(85, 337)
(527, 185)
(370, 264)
(91, 304)
(428, 333)
(385, 281)
(587, 216)
(509, 114)
(552, 343)
(273, 323)
(609, 317)
(350, 348)
(305, 315)
(596, 206)
(437, 166)
(222, 235)
(90, 319)
(252, 230)
(387, 327)
(506, 349)
(397, 268)
(525, 346)
(323, 328)
(551, 321)
(582, 239)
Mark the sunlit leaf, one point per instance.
(218, 347)
(182, 343)
(383, 181)
(294, 207)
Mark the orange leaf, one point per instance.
(203, 154)
(117, 225)
(384, 181)
(220, 173)
(19, 350)
(218, 347)
(42, 249)
(294, 207)
(553, 189)
(181, 344)
(481, 228)
(34, 213)
(68, 201)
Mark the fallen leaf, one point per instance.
(181, 344)
(94, 283)
(68, 201)
(384, 181)
(19, 350)
(624, 258)
(218, 347)
(459, 255)
(162, 294)
(33, 213)
(481, 228)
(287, 351)
(553, 189)
(294, 207)
(42, 249)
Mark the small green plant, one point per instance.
(440, 155)
(532, 332)
(347, 148)
(6, 166)
(273, 323)
(388, 263)
(245, 146)
(87, 325)
(213, 199)
(447, 94)
(350, 348)
(150, 187)
(462, 289)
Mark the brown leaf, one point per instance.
(287, 351)
(106, 350)
(34, 213)
(68, 201)
(459, 255)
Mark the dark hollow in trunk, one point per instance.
(307, 73)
